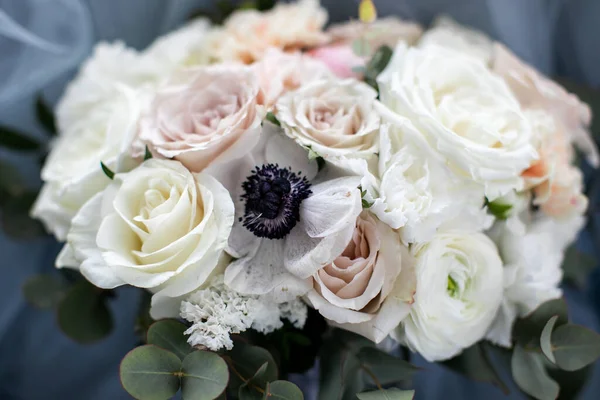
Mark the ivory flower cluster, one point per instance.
(249, 170)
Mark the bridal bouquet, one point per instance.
(286, 192)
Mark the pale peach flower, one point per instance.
(369, 287)
(340, 59)
(204, 116)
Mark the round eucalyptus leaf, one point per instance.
(168, 334)
(247, 360)
(545, 339)
(388, 394)
(283, 390)
(83, 314)
(253, 388)
(574, 347)
(204, 376)
(150, 373)
(43, 291)
(530, 375)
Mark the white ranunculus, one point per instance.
(449, 34)
(416, 192)
(464, 111)
(335, 118)
(459, 290)
(532, 272)
(72, 172)
(158, 227)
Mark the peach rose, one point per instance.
(384, 31)
(204, 116)
(247, 34)
(279, 73)
(340, 59)
(368, 288)
(535, 91)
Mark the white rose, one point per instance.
(459, 290)
(158, 227)
(334, 118)
(416, 192)
(532, 272)
(449, 34)
(464, 111)
(369, 286)
(72, 173)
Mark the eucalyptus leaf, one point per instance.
(11, 182)
(577, 266)
(545, 339)
(254, 387)
(247, 360)
(204, 376)
(575, 346)
(15, 140)
(168, 334)
(387, 368)
(474, 363)
(83, 314)
(44, 291)
(44, 115)
(387, 394)
(150, 373)
(527, 330)
(530, 375)
(283, 390)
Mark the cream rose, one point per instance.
(72, 173)
(279, 73)
(247, 34)
(334, 118)
(459, 291)
(381, 32)
(464, 111)
(369, 287)
(157, 227)
(535, 91)
(204, 116)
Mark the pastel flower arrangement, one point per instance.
(417, 188)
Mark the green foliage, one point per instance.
(377, 64)
(575, 347)
(388, 394)
(147, 154)
(107, 171)
(16, 221)
(282, 390)
(530, 374)
(255, 387)
(545, 339)
(204, 376)
(272, 119)
(11, 182)
(150, 373)
(44, 291)
(385, 367)
(44, 115)
(365, 203)
(497, 209)
(475, 363)
(313, 155)
(168, 334)
(83, 314)
(15, 140)
(528, 330)
(577, 266)
(251, 367)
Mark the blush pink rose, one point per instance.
(535, 91)
(204, 116)
(279, 72)
(369, 287)
(340, 59)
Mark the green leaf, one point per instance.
(168, 334)
(387, 368)
(577, 266)
(498, 210)
(83, 314)
(545, 342)
(527, 330)
(574, 347)
(264, 5)
(147, 154)
(474, 363)
(43, 291)
(44, 115)
(150, 373)
(530, 375)
(143, 320)
(11, 182)
(250, 389)
(247, 360)
(283, 390)
(272, 119)
(107, 171)
(204, 376)
(14, 140)
(388, 394)
(16, 221)
(377, 64)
